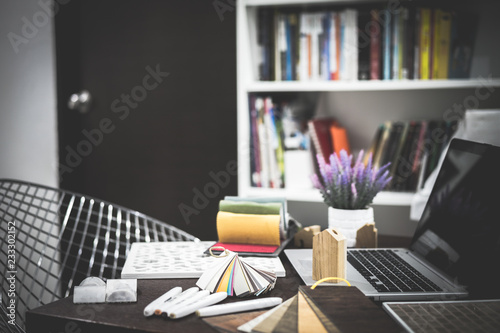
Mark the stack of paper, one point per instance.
(235, 277)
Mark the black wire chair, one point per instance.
(51, 239)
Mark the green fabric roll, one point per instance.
(249, 207)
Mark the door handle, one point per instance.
(80, 101)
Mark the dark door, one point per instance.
(160, 133)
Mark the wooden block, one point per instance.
(329, 255)
(304, 237)
(366, 236)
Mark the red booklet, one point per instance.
(246, 248)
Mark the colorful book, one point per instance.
(265, 41)
(375, 45)
(255, 163)
(396, 45)
(294, 43)
(339, 139)
(425, 43)
(364, 40)
(416, 45)
(387, 42)
(302, 67)
(334, 45)
(441, 45)
(319, 131)
(382, 144)
(405, 40)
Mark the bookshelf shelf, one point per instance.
(361, 105)
(390, 85)
(302, 2)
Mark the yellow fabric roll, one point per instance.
(248, 228)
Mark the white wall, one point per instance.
(28, 116)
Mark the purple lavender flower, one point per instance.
(347, 186)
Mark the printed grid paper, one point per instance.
(158, 260)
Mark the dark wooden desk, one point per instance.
(64, 316)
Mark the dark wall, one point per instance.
(166, 146)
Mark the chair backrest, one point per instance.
(51, 239)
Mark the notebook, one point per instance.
(455, 251)
(446, 316)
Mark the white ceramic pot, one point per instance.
(348, 221)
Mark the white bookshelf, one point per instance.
(392, 85)
(361, 105)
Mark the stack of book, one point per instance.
(412, 147)
(328, 137)
(396, 42)
(266, 145)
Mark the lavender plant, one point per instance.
(345, 186)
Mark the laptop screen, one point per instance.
(459, 231)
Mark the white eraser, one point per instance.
(121, 290)
(89, 294)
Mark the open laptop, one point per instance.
(455, 251)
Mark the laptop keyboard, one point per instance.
(477, 316)
(392, 274)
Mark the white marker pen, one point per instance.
(253, 304)
(204, 302)
(165, 307)
(149, 310)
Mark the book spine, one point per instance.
(436, 40)
(336, 71)
(416, 46)
(271, 155)
(425, 43)
(295, 37)
(343, 44)
(263, 143)
(396, 31)
(444, 46)
(325, 61)
(387, 44)
(288, 51)
(404, 39)
(364, 44)
(375, 36)
(332, 47)
(354, 56)
(303, 51)
(277, 46)
(255, 148)
(283, 46)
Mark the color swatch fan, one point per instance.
(234, 276)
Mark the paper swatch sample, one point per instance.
(266, 322)
(236, 277)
